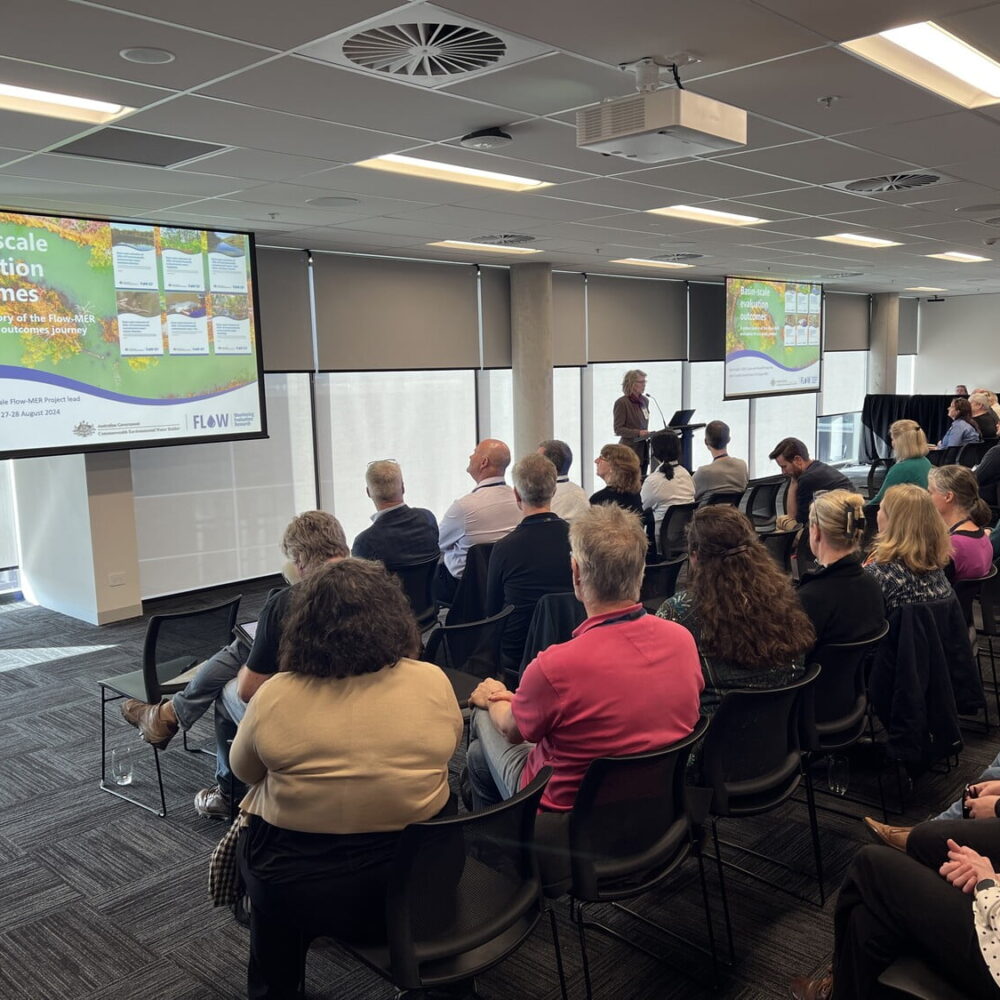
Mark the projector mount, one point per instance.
(647, 70)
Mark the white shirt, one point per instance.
(485, 515)
(986, 913)
(570, 500)
(659, 493)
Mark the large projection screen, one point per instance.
(125, 335)
(774, 337)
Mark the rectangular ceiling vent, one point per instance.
(137, 147)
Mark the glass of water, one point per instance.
(838, 774)
(121, 765)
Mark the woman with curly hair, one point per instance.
(618, 466)
(750, 628)
(345, 746)
(631, 416)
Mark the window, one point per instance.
(705, 380)
(777, 417)
(845, 381)
(566, 416)
(496, 405)
(838, 438)
(904, 374)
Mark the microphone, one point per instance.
(662, 417)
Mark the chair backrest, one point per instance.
(836, 712)
(752, 753)
(177, 641)
(989, 603)
(464, 886)
(968, 590)
(474, 647)
(659, 581)
(469, 602)
(877, 462)
(673, 529)
(760, 501)
(418, 585)
(779, 545)
(944, 456)
(554, 619)
(629, 826)
(971, 454)
(732, 499)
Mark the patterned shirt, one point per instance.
(901, 585)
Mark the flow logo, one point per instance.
(202, 423)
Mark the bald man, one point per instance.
(486, 514)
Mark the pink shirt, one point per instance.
(623, 684)
(973, 556)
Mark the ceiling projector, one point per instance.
(659, 125)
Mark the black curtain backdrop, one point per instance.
(879, 412)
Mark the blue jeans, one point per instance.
(208, 683)
(992, 773)
(494, 765)
(229, 712)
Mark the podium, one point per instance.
(685, 431)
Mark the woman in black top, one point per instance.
(618, 466)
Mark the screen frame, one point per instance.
(82, 448)
(726, 397)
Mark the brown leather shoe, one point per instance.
(156, 729)
(891, 836)
(806, 988)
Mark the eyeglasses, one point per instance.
(378, 461)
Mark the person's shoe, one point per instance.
(212, 802)
(156, 729)
(891, 836)
(807, 988)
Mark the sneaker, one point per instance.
(212, 802)
(156, 729)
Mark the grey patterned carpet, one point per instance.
(100, 900)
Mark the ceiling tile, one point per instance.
(506, 162)
(812, 201)
(893, 217)
(617, 193)
(982, 171)
(933, 141)
(34, 132)
(535, 205)
(710, 177)
(258, 164)
(979, 25)
(958, 231)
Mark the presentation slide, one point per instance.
(119, 334)
(774, 337)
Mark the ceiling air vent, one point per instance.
(424, 50)
(504, 239)
(891, 182)
(677, 257)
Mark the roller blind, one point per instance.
(846, 322)
(636, 319)
(569, 333)
(908, 309)
(285, 320)
(376, 313)
(706, 322)
(495, 290)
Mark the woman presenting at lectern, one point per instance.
(631, 415)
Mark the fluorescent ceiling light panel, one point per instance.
(958, 257)
(857, 240)
(51, 105)
(696, 214)
(924, 288)
(644, 262)
(491, 247)
(431, 170)
(929, 56)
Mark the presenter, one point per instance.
(631, 416)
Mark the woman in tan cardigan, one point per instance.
(347, 744)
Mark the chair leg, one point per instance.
(708, 922)
(114, 791)
(558, 950)
(722, 889)
(814, 827)
(583, 951)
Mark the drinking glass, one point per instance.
(121, 765)
(838, 774)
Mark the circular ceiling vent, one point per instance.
(891, 182)
(504, 239)
(424, 50)
(679, 256)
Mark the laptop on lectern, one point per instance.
(681, 418)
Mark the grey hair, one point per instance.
(609, 545)
(535, 480)
(384, 480)
(313, 537)
(632, 376)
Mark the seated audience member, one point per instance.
(485, 515)
(670, 484)
(724, 474)
(987, 474)
(533, 560)
(806, 477)
(939, 904)
(909, 444)
(962, 429)
(911, 549)
(618, 466)
(842, 601)
(992, 397)
(570, 500)
(625, 683)
(399, 535)
(750, 628)
(344, 747)
(954, 493)
(230, 678)
(983, 416)
(962, 390)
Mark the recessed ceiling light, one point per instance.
(647, 262)
(432, 170)
(332, 202)
(857, 240)
(147, 57)
(924, 288)
(713, 215)
(491, 247)
(958, 257)
(927, 55)
(52, 105)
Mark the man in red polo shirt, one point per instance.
(627, 682)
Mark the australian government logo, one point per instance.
(83, 429)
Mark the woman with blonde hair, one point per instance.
(631, 416)
(909, 444)
(911, 549)
(618, 466)
(843, 602)
(955, 493)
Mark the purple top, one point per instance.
(972, 553)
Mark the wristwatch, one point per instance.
(985, 883)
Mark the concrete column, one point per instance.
(76, 525)
(883, 343)
(531, 354)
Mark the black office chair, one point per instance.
(659, 581)
(468, 603)
(970, 455)
(874, 480)
(989, 606)
(713, 499)
(418, 585)
(673, 530)
(943, 456)
(779, 545)
(174, 644)
(472, 647)
(463, 893)
(628, 831)
(553, 621)
(911, 977)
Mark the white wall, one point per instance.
(959, 344)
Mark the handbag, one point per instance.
(225, 886)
